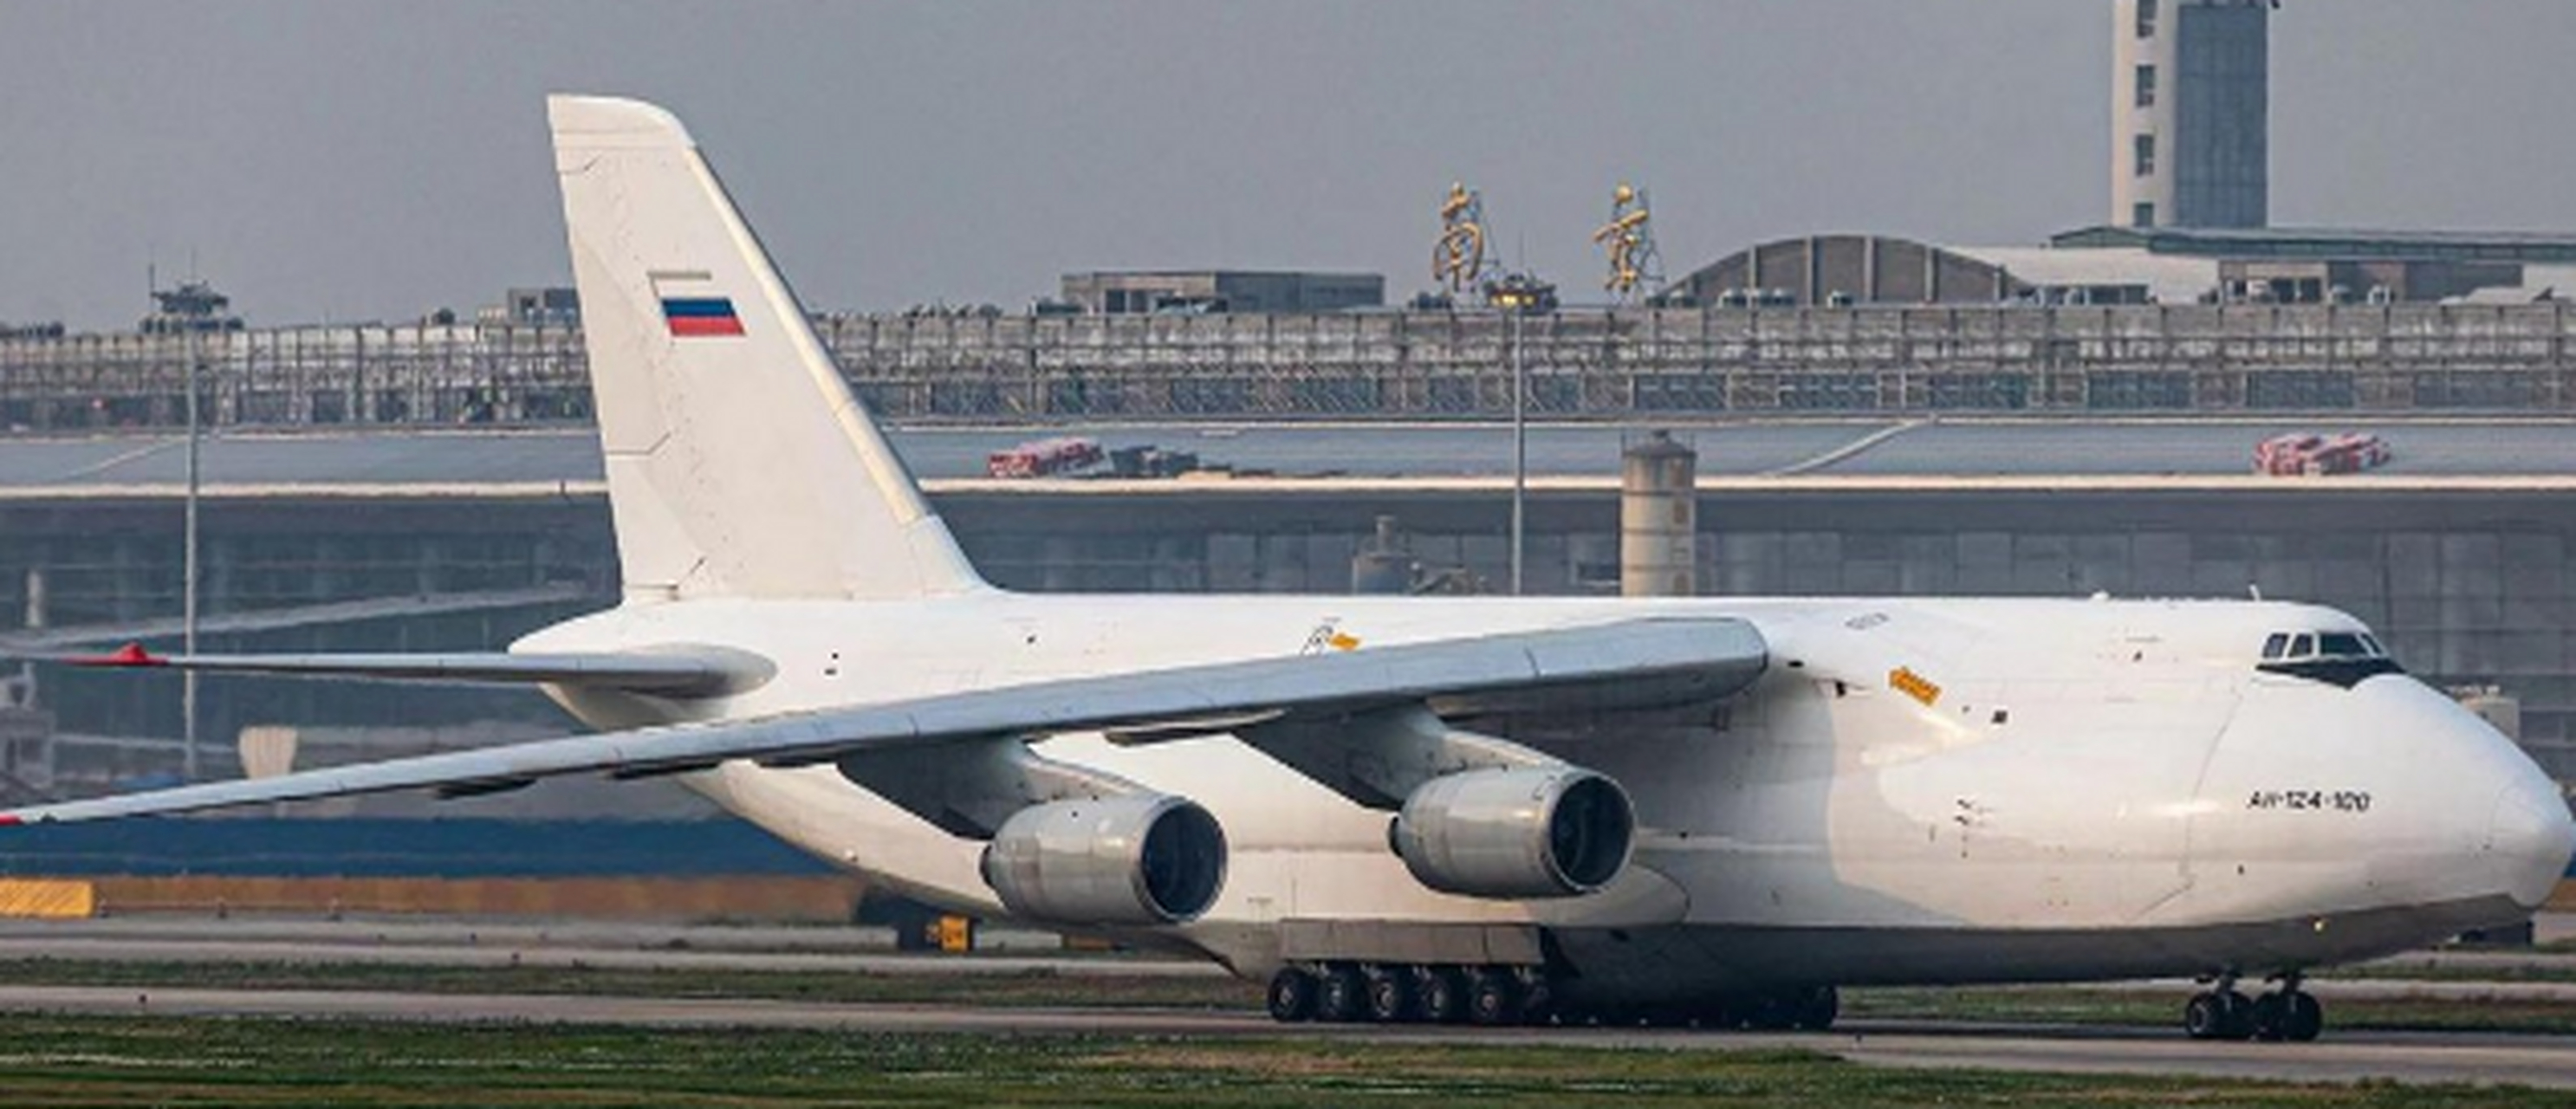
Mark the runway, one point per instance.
(2503, 975)
(2537, 1060)
(2542, 1061)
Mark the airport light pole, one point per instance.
(188, 573)
(1518, 295)
(1520, 450)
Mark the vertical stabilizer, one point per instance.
(739, 464)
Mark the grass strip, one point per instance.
(51, 1061)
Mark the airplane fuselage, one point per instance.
(1914, 791)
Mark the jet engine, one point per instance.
(1144, 859)
(1532, 831)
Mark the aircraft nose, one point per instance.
(2529, 839)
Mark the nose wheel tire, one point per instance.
(2218, 1015)
(2286, 1013)
(2271, 1018)
(2305, 1019)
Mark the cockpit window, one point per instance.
(2297, 646)
(2343, 658)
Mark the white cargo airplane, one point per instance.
(1438, 809)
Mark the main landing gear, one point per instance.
(1342, 992)
(1399, 993)
(2287, 1013)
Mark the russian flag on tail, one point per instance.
(695, 312)
(696, 316)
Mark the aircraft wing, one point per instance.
(1706, 657)
(679, 672)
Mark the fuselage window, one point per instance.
(2276, 646)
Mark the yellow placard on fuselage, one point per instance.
(1904, 680)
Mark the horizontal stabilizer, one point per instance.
(693, 672)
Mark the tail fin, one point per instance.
(739, 464)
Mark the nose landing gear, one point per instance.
(2289, 1013)
(2286, 1013)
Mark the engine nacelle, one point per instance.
(1121, 860)
(1540, 831)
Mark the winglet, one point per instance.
(132, 654)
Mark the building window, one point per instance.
(2142, 215)
(2146, 19)
(2146, 155)
(2146, 86)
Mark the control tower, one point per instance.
(2190, 113)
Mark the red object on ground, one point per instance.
(1044, 458)
(2313, 454)
(132, 654)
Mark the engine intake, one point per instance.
(1121, 860)
(1545, 831)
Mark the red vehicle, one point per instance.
(2313, 454)
(1044, 458)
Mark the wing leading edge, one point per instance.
(1682, 657)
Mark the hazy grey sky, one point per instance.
(351, 159)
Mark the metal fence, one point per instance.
(1580, 364)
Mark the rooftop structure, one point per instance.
(192, 305)
(1199, 292)
(2331, 244)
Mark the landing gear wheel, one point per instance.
(2219, 1015)
(1440, 995)
(2305, 1020)
(2271, 1017)
(2204, 1017)
(1492, 998)
(1389, 994)
(1339, 998)
(1538, 999)
(2240, 1016)
(1818, 1008)
(1292, 995)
